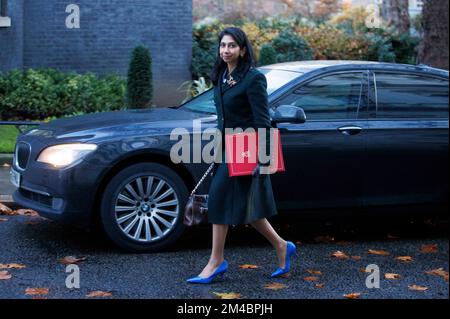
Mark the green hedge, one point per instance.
(345, 37)
(42, 93)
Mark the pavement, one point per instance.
(6, 188)
(38, 244)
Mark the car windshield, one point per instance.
(204, 102)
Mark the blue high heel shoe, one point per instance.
(290, 250)
(218, 272)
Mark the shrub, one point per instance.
(405, 48)
(140, 83)
(202, 60)
(344, 37)
(41, 93)
(267, 55)
(331, 43)
(384, 44)
(290, 47)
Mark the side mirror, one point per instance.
(288, 113)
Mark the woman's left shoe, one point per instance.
(290, 250)
(223, 267)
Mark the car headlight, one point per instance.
(65, 154)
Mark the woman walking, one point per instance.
(240, 95)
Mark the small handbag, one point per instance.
(196, 210)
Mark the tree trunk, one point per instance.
(434, 48)
(396, 14)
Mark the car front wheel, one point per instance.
(142, 207)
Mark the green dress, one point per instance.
(240, 199)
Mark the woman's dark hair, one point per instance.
(244, 64)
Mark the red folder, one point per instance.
(242, 153)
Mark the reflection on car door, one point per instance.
(324, 157)
(407, 140)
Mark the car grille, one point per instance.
(22, 155)
(36, 197)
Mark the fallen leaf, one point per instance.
(12, 266)
(340, 255)
(229, 295)
(71, 260)
(356, 257)
(438, 272)
(417, 288)
(99, 293)
(26, 212)
(311, 278)
(320, 285)
(364, 270)
(4, 275)
(36, 291)
(247, 266)
(392, 276)
(429, 249)
(5, 210)
(314, 272)
(405, 259)
(378, 252)
(324, 239)
(353, 295)
(275, 286)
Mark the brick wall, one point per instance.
(11, 38)
(109, 30)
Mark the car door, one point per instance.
(324, 157)
(407, 139)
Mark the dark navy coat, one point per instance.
(240, 199)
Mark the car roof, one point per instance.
(331, 65)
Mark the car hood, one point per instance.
(127, 122)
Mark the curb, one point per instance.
(8, 201)
(5, 159)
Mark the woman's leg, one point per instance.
(219, 234)
(263, 226)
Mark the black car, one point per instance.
(375, 134)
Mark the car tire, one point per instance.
(136, 215)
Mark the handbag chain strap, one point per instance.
(203, 177)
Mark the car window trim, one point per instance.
(402, 72)
(301, 82)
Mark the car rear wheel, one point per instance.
(142, 207)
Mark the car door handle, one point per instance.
(350, 130)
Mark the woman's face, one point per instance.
(230, 50)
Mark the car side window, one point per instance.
(401, 96)
(333, 97)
